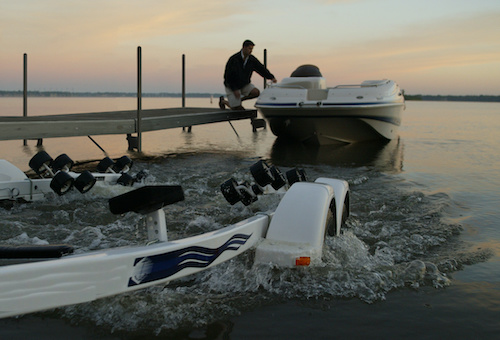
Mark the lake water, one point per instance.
(429, 200)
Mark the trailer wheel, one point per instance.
(293, 176)
(345, 214)
(39, 162)
(257, 189)
(345, 210)
(126, 180)
(84, 182)
(141, 175)
(62, 162)
(331, 220)
(246, 197)
(261, 173)
(105, 165)
(303, 176)
(279, 178)
(229, 191)
(123, 164)
(296, 175)
(62, 183)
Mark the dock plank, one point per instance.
(112, 122)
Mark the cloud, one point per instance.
(78, 26)
(88, 45)
(453, 46)
(90, 39)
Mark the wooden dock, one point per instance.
(114, 122)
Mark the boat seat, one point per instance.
(305, 83)
(146, 199)
(317, 94)
(375, 82)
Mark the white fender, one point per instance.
(297, 230)
(341, 189)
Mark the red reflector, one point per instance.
(303, 261)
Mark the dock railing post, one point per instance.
(183, 80)
(25, 90)
(139, 99)
(184, 87)
(265, 64)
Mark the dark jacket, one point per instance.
(236, 76)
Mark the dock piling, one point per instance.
(25, 90)
(184, 89)
(183, 80)
(265, 64)
(139, 98)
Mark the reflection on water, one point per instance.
(383, 155)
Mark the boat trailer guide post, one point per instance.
(291, 236)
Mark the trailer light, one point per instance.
(303, 261)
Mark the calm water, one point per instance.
(420, 257)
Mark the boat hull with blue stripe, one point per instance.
(302, 107)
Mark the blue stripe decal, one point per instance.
(357, 104)
(278, 104)
(310, 104)
(162, 266)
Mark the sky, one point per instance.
(448, 47)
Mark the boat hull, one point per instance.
(325, 126)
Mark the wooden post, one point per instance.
(183, 80)
(139, 98)
(265, 64)
(25, 90)
(184, 87)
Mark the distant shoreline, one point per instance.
(104, 94)
(450, 98)
(417, 97)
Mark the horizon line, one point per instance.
(50, 93)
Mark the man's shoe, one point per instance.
(221, 103)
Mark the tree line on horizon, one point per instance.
(452, 98)
(417, 97)
(104, 94)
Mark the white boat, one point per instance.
(302, 107)
(293, 235)
(56, 176)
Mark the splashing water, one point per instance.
(394, 238)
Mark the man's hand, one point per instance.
(237, 94)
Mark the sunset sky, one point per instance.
(427, 47)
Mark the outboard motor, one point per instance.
(306, 71)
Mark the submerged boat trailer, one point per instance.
(292, 235)
(55, 175)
